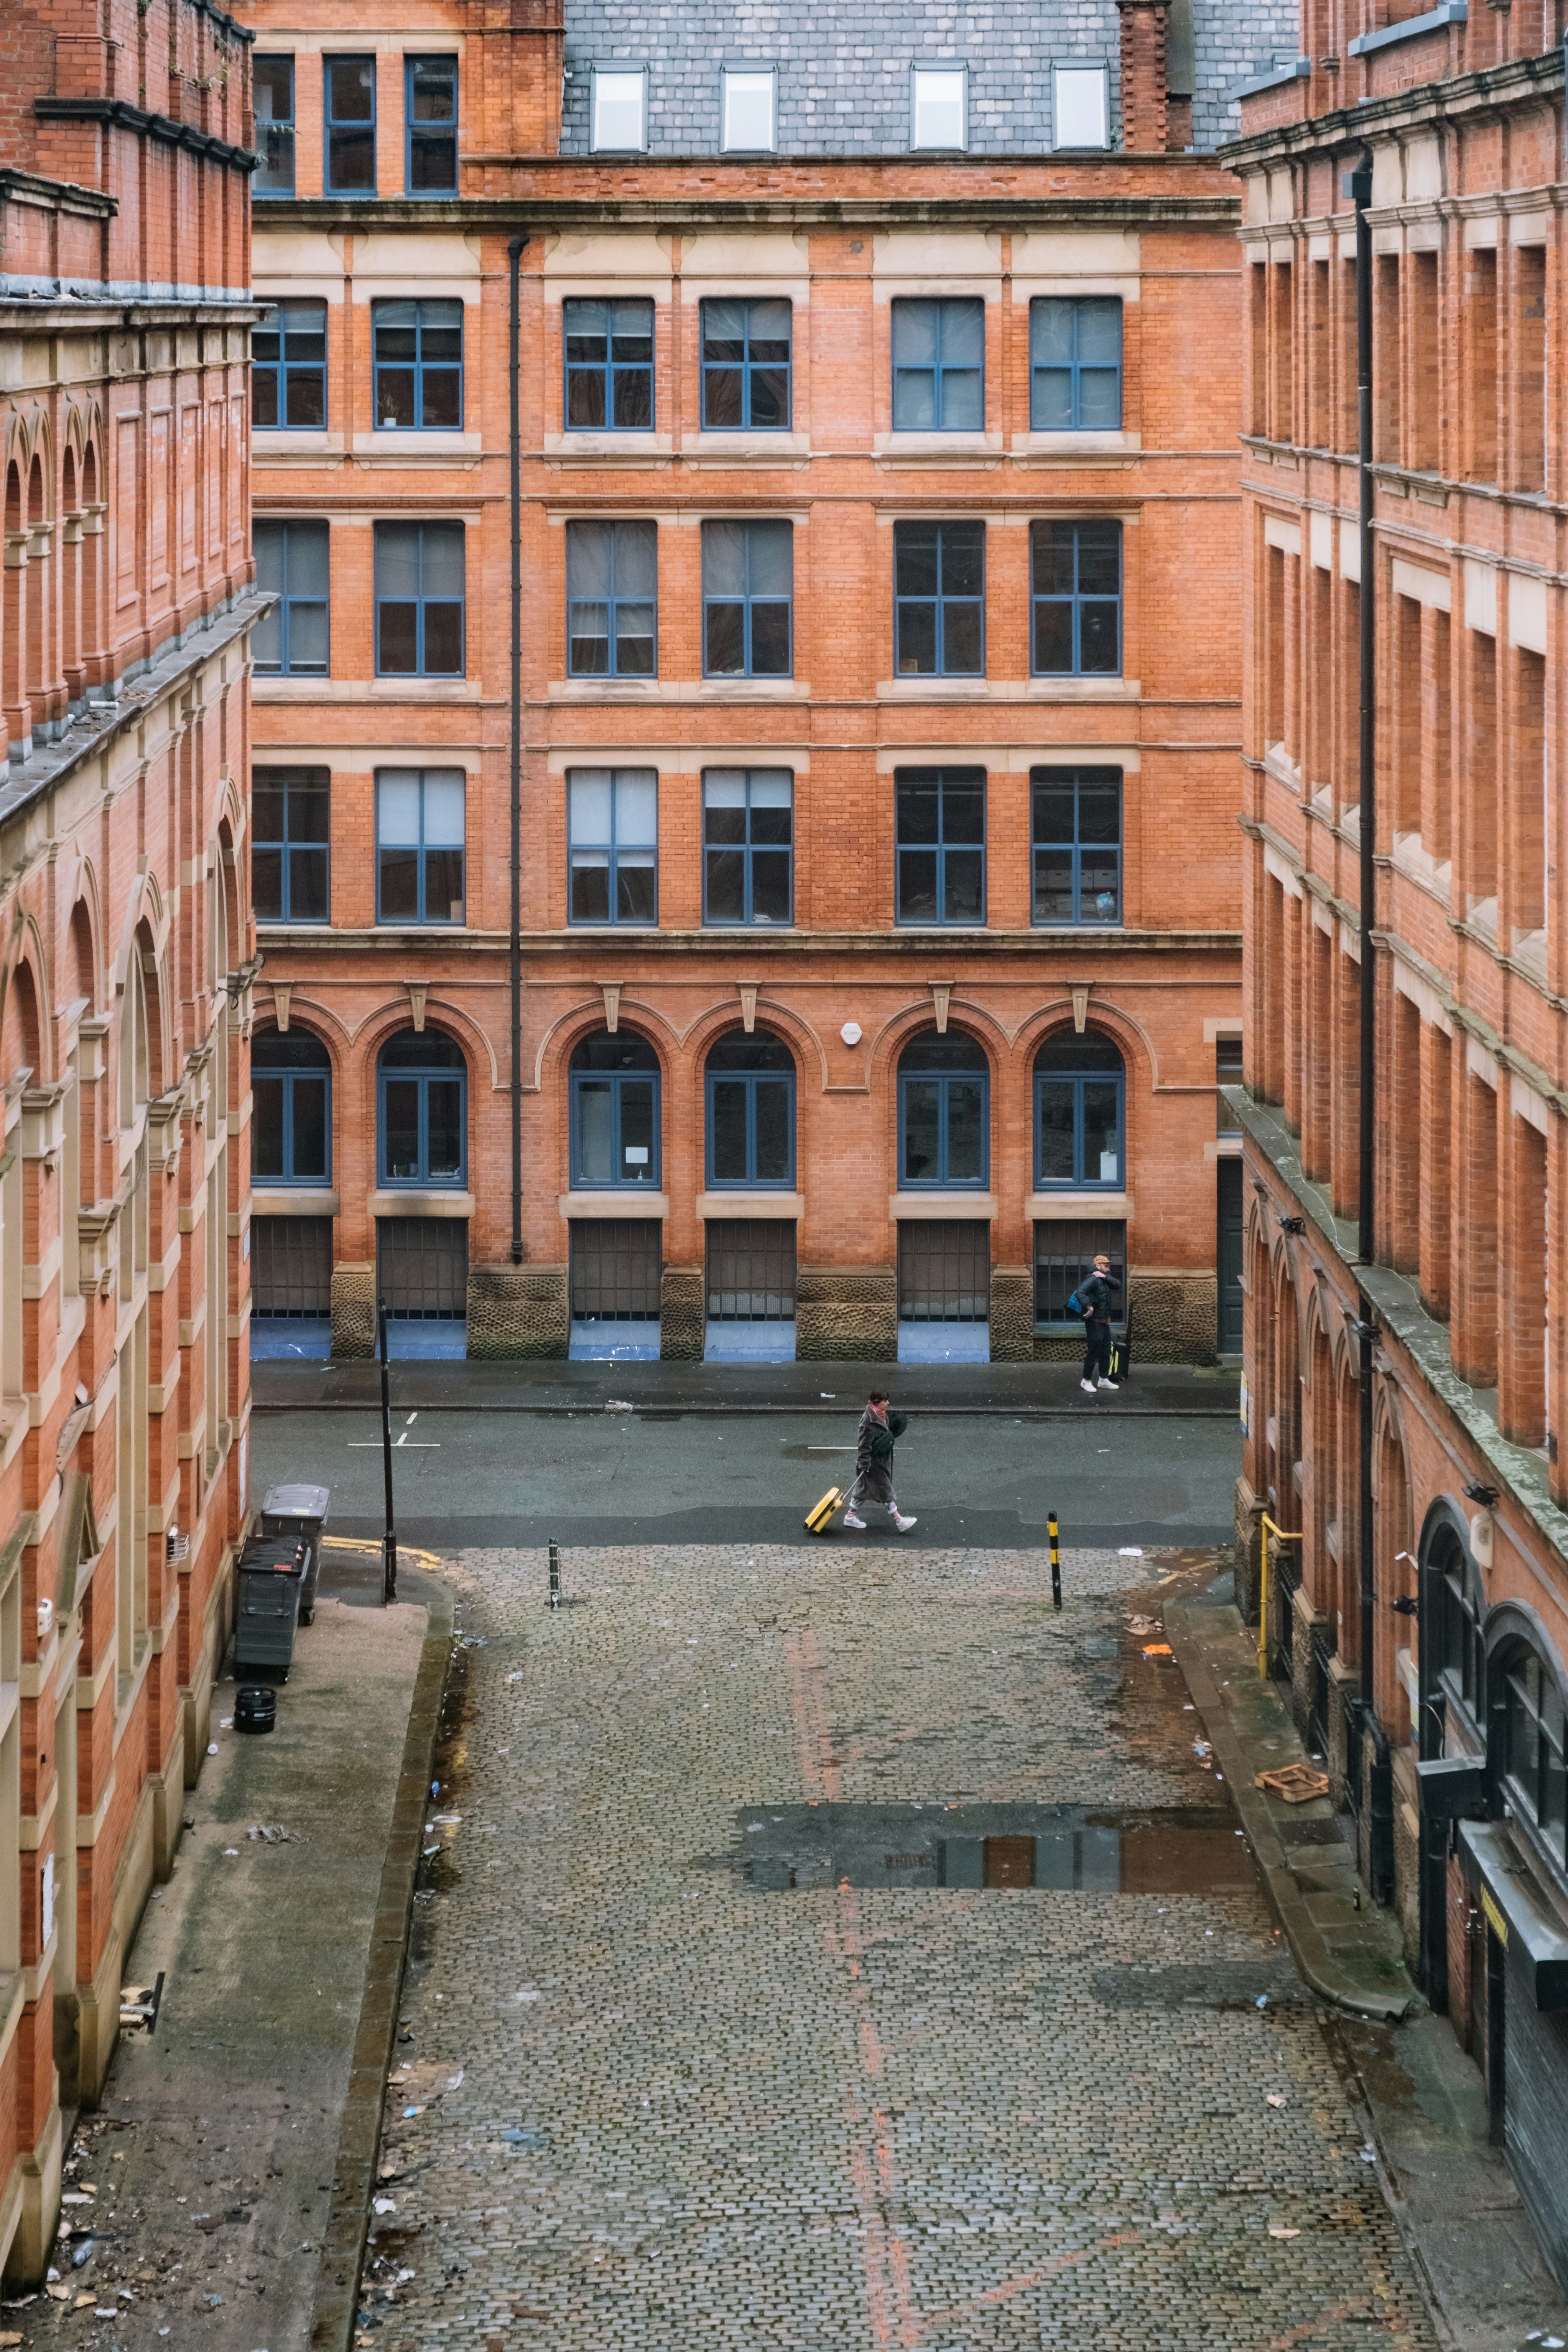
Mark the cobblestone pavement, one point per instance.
(694, 2113)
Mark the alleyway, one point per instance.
(749, 2056)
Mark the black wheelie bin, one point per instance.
(271, 1575)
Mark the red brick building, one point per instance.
(879, 667)
(124, 1001)
(1444, 1732)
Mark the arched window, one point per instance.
(1080, 1095)
(1528, 1697)
(945, 1107)
(423, 1125)
(751, 1111)
(614, 1111)
(291, 1100)
(1451, 1621)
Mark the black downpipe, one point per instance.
(1359, 186)
(514, 257)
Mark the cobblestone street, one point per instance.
(716, 2089)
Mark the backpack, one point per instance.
(1075, 1304)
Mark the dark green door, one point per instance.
(1229, 1256)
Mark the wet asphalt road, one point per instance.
(519, 1479)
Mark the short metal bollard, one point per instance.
(554, 1576)
(1056, 1561)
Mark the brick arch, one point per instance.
(913, 1020)
(371, 1034)
(580, 1021)
(720, 1019)
(1128, 1035)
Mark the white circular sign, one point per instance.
(850, 1033)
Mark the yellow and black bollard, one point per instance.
(1056, 1561)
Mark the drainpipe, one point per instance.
(1377, 1793)
(1357, 185)
(514, 257)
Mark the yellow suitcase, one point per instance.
(817, 1517)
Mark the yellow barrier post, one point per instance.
(1285, 1536)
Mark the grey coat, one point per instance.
(874, 1455)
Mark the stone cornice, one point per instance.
(1495, 89)
(126, 116)
(58, 196)
(680, 207)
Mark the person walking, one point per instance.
(1094, 1304)
(880, 1428)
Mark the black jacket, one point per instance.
(1094, 1296)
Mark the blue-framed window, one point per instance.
(748, 845)
(290, 1108)
(422, 1082)
(430, 120)
(611, 831)
(272, 102)
(290, 845)
(751, 1112)
(746, 366)
(1075, 599)
(939, 599)
(1075, 364)
(288, 368)
(1076, 827)
(419, 599)
(944, 1113)
(291, 559)
(940, 824)
(611, 599)
(608, 352)
(748, 599)
(418, 362)
(419, 844)
(939, 364)
(348, 122)
(613, 1112)
(1080, 1114)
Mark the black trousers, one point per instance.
(1097, 1350)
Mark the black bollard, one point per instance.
(554, 1576)
(1056, 1561)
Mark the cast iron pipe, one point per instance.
(1359, 182)
(514, 257)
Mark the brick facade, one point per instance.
(124, 1004)
(841, 238)
(1463, 122)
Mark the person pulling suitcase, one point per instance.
(881, 1429)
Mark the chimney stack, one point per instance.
(1145, 105)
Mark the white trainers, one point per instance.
(903, 1526)
(1108, 1384)
(1088, 1386)
(851, 1521)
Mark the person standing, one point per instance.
(1094, 1302)
(880, 1428)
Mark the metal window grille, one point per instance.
(944, 1270)
(751, 1270)
(617, 1264)
(422, 1268)
(290, 1266)
(1065, 1253)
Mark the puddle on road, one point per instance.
(1069, 1849)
